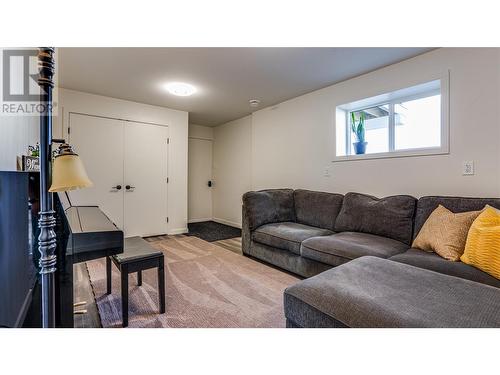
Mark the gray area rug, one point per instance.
(211, 231)
(206, 286)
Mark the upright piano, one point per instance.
(83, 233)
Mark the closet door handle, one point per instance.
(128, 187)
(117, 187)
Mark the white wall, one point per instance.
(177, 122)
(232, 166)
(201, 132)
(16, 134)
(292, 143)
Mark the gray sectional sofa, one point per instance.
(355, 251)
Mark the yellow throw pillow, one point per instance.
(482, 249)
(445, 232)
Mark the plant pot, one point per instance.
(360, 147)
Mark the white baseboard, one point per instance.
(199, 220)
(227, 222)
(178, 231)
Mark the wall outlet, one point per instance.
(326, 173)
(468, 168)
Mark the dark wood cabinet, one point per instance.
(19, 205)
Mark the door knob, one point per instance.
(128, 187)
(210, 183)
(117, 187)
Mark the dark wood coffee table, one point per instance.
(138, 255)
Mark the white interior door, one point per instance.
(199, 173)
(145, 202)
(99, 142)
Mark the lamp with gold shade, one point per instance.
(68, 172)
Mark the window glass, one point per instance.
(418, 123)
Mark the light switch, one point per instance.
(468, 168)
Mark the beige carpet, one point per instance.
(206, 286)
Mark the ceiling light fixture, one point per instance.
(180, 88)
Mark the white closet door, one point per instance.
(99, 142)
(145, 202)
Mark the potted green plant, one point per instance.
(34, 150)
(359, 131)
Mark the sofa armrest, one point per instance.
(267, 206)
(246, 233)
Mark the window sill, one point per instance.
(394, 154)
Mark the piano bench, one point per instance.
(138, 255)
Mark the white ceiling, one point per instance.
(226, 78)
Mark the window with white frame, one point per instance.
(406, 122)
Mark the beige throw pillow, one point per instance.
(445, 232)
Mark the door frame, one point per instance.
(190, 221)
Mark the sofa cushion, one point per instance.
(286, 260)
(316, 208)
(426, 205)
(287, 235)
(445, 232)
(434, 262)
(483, 243)
(268, 206)
(388, 217)
(342, 247)
(373, 292)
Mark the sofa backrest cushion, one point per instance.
(390, 217)
(268, 206)
(426, 205)
(317, 209)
